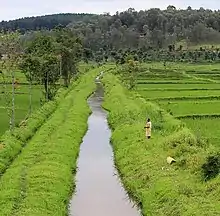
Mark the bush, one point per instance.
(211, 168)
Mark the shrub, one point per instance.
(211, 168)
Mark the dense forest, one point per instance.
(146, 30)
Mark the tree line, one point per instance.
(131, 29)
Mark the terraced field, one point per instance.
(192, 93)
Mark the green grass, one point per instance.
(179, 86)
(196, 100)
(163, 76)
(191, 100)
(166, 94)
(176, 89)
(40, 180)
(20, 115)
(182, 66)
(19, 76)
(201, 73)
(192, 107)
(213, 76)
(182, 81)
(14, 142)
(21, 105)
(207, 128)
(158, 188)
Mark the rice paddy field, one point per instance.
(21, 100)
(189, 92)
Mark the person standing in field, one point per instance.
(148, 129)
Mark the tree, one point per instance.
(69, 47)
(40, 63)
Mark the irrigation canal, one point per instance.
(99, 191)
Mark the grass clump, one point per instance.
(158, 188)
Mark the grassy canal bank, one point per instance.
(158, 188)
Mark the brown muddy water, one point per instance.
(99, 191)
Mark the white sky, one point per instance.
(12, 9)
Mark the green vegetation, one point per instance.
(46, 62)
(159, 188)
(192, 107)
(39, 181)
(11, 144)
(193, 102)
(178, 85)
(177, 93)
(207, 128)
(157, 54)
(184, 35)
(21, 104)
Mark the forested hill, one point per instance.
(44, 22)
(133, 29)
(151, 28)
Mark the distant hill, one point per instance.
(44, 22)
(143, 30)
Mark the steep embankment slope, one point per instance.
(159, 188)
(39, 181)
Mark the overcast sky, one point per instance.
(12, 9)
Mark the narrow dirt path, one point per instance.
(98, 189)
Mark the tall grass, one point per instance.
(158, 188)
